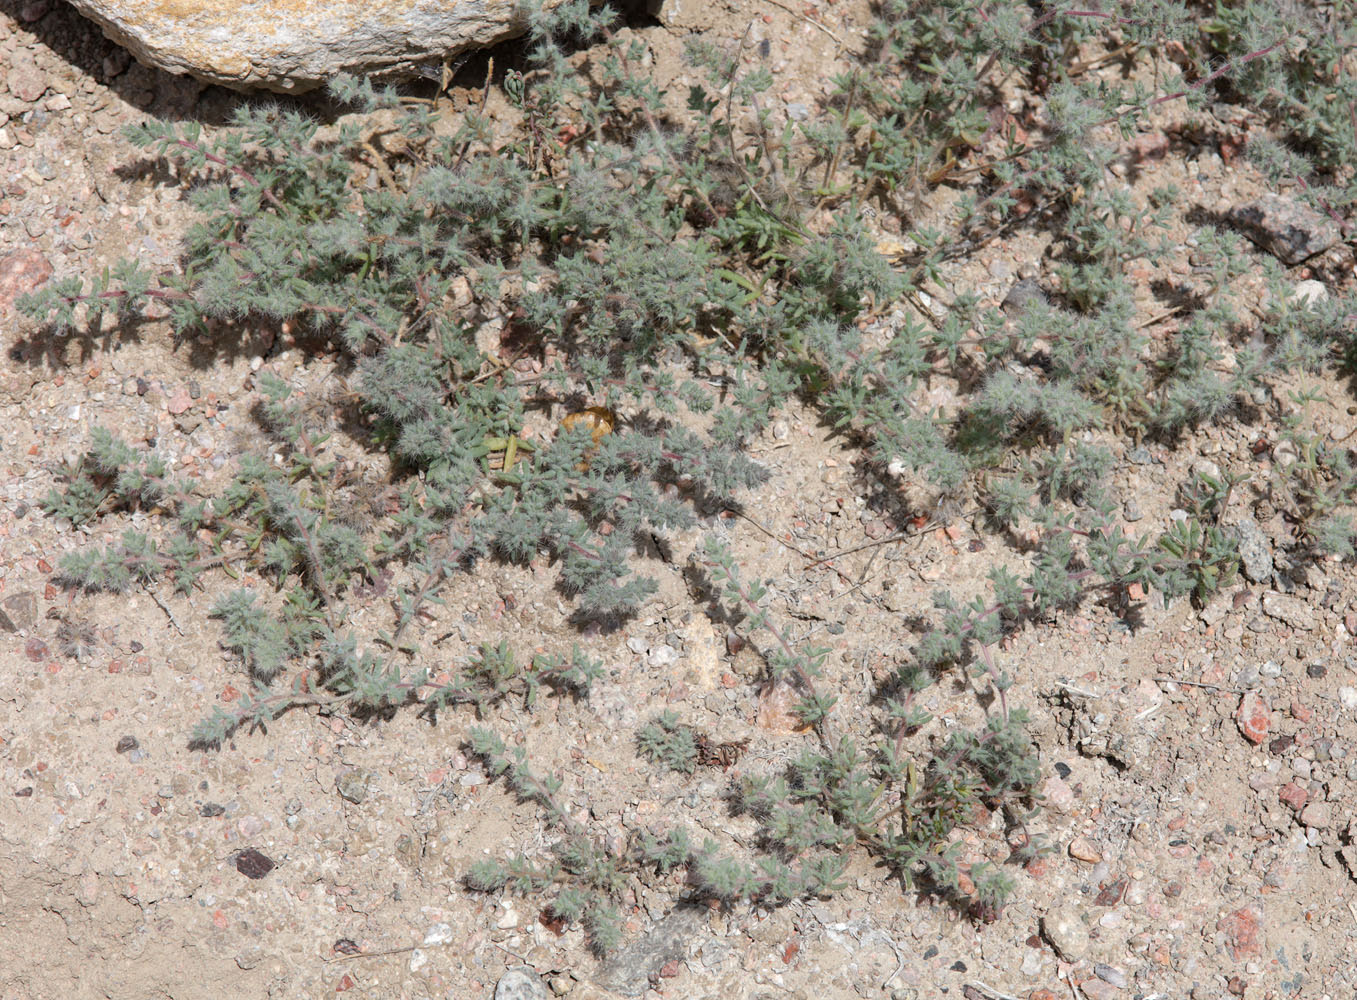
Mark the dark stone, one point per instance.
(252, 864)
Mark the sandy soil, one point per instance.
(1191, 860)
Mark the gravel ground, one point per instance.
(1200, 762)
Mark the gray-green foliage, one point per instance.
(687, 264)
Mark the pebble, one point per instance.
(1309, 293)
(1255, 554)
(1286, 228)
(179, 403)
(1023, 295)
(1066, 932)
(1293, 795)
(1058, 794)
(250, 826)
(1214, 613)
(521, 983)
(1317, 815)
(21, 271)
(1241, 929)
(1110, 974)
(438, 934)
(353, 785)
(663, 655)
(18, 612)
(644, 958)
(25, 80)
(1253, 717)
(1096, 989)
(1291, 610)
(254, 865)
(1082, 850)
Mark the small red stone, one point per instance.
(21, 271)
(1253, 717)
(1301, 712)
(179, 402)
(670, 969)
(229, 693)
(1293, 795)
(1241, 931)
(1112, 894)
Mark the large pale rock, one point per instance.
(295, 45)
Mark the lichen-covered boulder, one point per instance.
(295, 45)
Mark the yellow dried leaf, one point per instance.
(599, 419)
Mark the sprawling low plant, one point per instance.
(562, 343)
